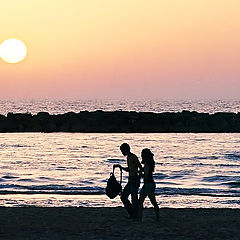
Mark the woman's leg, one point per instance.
(141, 201)
(152, 198)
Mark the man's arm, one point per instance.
(121, 168)
(125, 169)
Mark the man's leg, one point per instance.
(134, 194)
(124, 197)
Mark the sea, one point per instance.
(71, 169)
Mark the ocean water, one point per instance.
(63, 106)
(71, 169)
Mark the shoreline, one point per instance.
(100, 201)
(122, 122)
(112, 223)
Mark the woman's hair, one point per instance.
(147, 157)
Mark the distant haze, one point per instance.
(131, 49)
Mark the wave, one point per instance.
(232, 184)
(66, 190)
(9, 177)
(204, 158)
(232, 156)
(48, 187)
(29, 192)
(197, 191)
(200, 164)
(174, 175)
(160, 176)
(220, 178)
(232, 201)
(14, 146)
(115, 160)
(26, 180)
(201, 139)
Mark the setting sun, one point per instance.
(13, 51)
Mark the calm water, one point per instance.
(71, 169)
(63, 106)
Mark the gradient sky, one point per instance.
(174, 49)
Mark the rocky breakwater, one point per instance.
(121, 122)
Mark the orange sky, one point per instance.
(174, 49)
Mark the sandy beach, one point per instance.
(112, 223)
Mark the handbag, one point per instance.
(114, 187)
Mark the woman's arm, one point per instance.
(146, 171)
(139, 165)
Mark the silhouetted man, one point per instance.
(133, 168)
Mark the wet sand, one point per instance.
(112, 223)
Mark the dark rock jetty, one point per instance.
(121, 122)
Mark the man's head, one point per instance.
(125, 149)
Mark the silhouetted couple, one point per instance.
(136, 171)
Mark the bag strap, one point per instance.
(120, 174)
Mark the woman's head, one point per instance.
(147, 158)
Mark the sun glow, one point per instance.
(13, 50)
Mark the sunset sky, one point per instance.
(174, 49)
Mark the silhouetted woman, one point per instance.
(149, 186)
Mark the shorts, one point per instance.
(149, 188)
